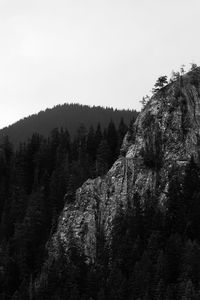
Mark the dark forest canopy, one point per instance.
(33, 182)
(68, 116)
(153, 255)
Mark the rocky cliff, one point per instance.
(165, 136)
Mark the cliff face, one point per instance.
(164, 137)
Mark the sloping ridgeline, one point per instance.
(68, 116)
(33, 182)
(135, 232)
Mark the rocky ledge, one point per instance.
(165, 136)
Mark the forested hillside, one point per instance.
(33, 182)
(134, 233)
(68, 116)
(85, 218)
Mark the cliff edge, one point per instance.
(164, 137)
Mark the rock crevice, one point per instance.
(165, 135)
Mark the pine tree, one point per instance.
(103, 158)
(160, 83)
(98, 136)
(189, 291)
(91, 145)
(112, 140)
(122, 130)
(191, 195)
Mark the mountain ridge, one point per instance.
(69, 116)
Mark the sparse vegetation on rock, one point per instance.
(132, 233)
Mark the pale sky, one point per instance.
(96, 52)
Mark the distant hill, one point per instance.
(68, 116)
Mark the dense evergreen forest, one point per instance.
(153, 255)
(68, 116)
(33, 182)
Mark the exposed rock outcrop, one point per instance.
(165, 136)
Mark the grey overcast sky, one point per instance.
(96, 52)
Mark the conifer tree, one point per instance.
(103, 158)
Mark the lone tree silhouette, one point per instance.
(160, 83)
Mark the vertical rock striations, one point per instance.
(165, 136)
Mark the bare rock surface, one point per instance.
(165, 136)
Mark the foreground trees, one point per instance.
(33, 183)
(153, 254)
